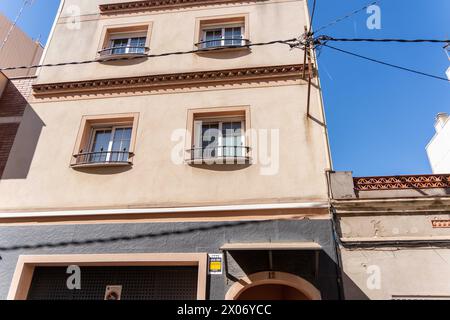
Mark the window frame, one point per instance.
(219, 22)
(113, 129)
(125, 36)
(223, 32)
(122, 31)
(89, 124)
(218, 114)
(220, 144)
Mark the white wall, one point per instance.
(438, 150)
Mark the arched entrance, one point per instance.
(273, 286)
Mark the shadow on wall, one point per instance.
(225, 55)
(24, 147)
(321, 271)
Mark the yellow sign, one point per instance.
(215, 264)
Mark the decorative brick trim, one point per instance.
(440, 223)
(172, 80)
(402, 182)
(161, 4)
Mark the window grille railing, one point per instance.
(222, 42)
(111, 157)
(123, 50)
(222, 152)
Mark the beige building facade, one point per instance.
(207, 152)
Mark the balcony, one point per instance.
(102, 159)
(124, 52)
(220, 155)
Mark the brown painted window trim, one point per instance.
(88, 123)
(26, 264)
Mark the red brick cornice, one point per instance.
(161, 4)
(402, 182)
(176, 80)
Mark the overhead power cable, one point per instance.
(386, 63)
(291, 42)
(346, 16)
(327, 38)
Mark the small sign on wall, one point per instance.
(215, 263)
(113, 293)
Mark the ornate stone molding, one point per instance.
(440, 224)
(177, 80)
(161, 4)
(402, 182)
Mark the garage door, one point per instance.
(138, 283)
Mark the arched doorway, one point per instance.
(273, 286)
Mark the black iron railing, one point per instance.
(108, 157)
(217, 153)
(226, 43)
(121, 50)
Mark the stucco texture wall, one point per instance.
(39, 176)
(172, 30)
(392, 273)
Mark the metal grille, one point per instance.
(138, 283)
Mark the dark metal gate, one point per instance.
(138, 283)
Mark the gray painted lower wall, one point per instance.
(172, 237)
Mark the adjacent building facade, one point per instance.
(438, 149)
(394, 235)
(194, 176)
(17, 49)
(14, 94)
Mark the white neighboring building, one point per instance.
(438, 149)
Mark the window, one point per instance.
(223, 31)
(126, 45)
(106, 140)
(220, 135)
(125, 40)
(222, 37)
(220, 139)
(108, 145)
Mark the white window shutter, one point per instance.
(198, 139)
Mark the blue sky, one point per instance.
(380, 119)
